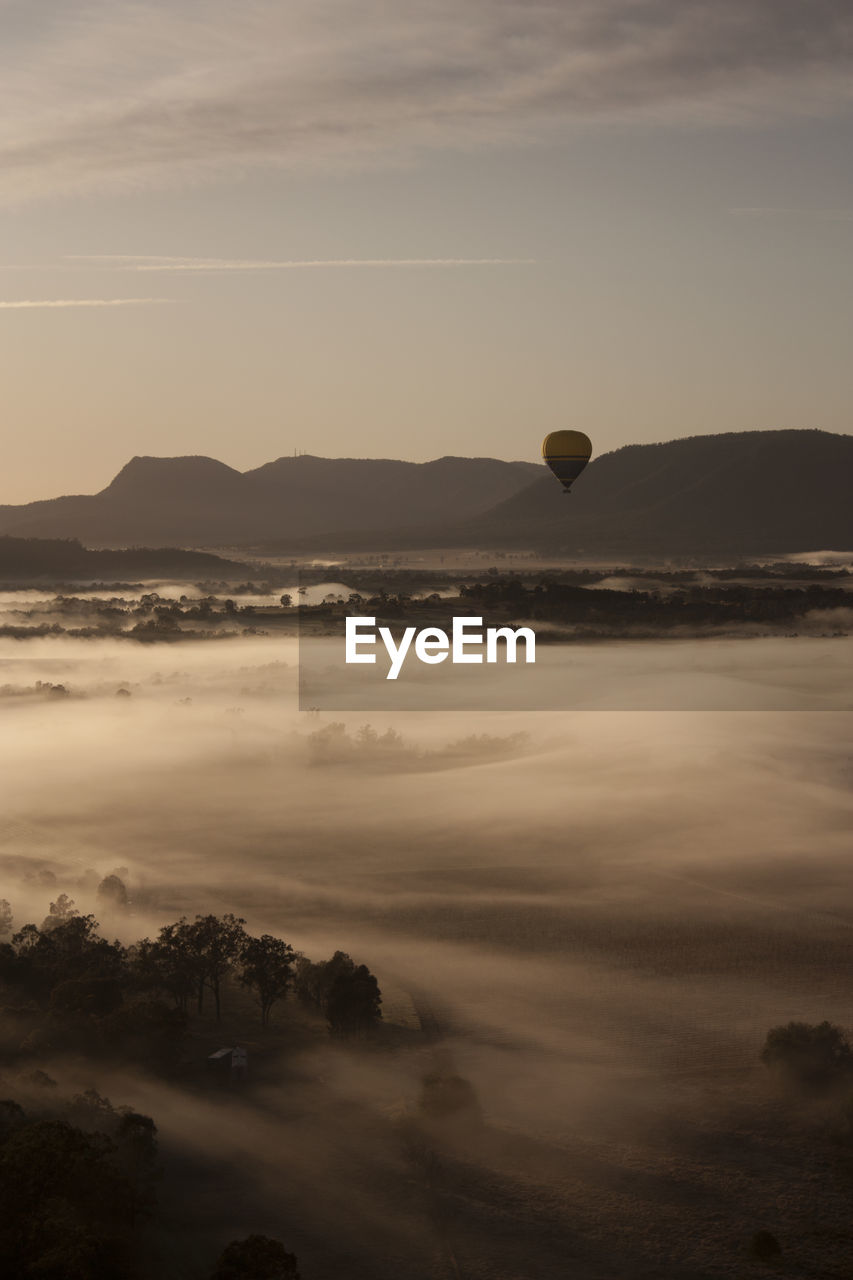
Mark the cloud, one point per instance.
(142, 92)
(22, 304)
(132, 262)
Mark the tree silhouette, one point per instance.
(217, 942)
(267, 969)
(60, 911)
(71, 949)
(353, 1003)
(62, 1203)
(188, 958)
(112, 893)
(348, 994)
(98, 996)
(137, 1157)
(810, 1056)
(255, 1258)
(169, 964)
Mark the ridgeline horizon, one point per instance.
(748, 492)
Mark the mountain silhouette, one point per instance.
(750, 492)
(197, 501)
(742, 493)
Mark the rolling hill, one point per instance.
(67, 560)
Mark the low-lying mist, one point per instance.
(598, 914)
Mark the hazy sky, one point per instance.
(414, 227)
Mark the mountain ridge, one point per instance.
(783, 490)
(753, 492)
(196, 500)
(742, 493)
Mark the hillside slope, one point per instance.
(66, 560)
(754, 491)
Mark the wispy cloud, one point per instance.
(131, 262)
(141, 92)
(26, 304)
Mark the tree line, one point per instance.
(78, 1179)
(74, 989)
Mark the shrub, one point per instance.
(764, 1247)
(813, 1057)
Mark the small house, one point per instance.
(230, 1064)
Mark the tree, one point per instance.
(267, 969)
(307, 981)
(811, 1056)
(12, 1118)
(80, 952)
(112, 893)
(348, 994)
(170, 963)
(353, 1003)
(134, 1139)
(5, 918)
(60, 912)
(449, 1097)
(97, 996)
(217, 942)
(137, 1157)
(188, 957)
(70, 949)
(255, 1258)
(62, 1199)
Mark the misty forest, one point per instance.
(498, 994)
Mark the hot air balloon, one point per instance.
(567, 453)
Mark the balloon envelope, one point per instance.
(567, 453)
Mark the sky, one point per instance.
(409, 228)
